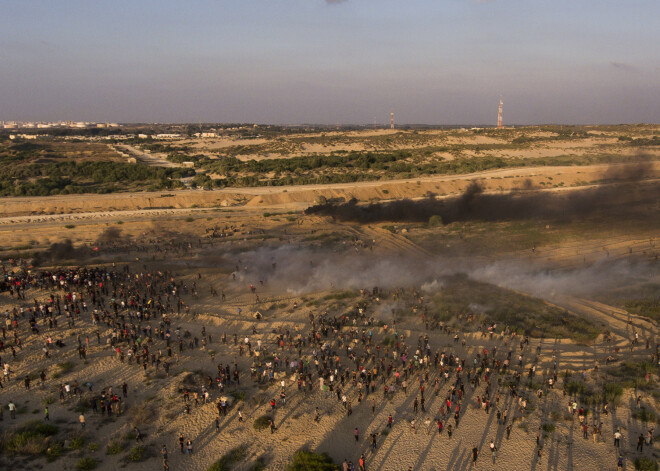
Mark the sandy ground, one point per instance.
(401, 448)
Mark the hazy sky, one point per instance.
(322, 61)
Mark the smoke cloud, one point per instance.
(301, 270)
(630, 198)
(59, 251)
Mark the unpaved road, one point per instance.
(153, 160)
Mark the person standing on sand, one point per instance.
(373, 442)
(181, 442)
(163, 452)
(189, 447)
(475, 455)
(81, 419)
(356, 432)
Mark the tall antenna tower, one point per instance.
(392, 119)
(499, 116)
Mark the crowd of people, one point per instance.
(352, 357)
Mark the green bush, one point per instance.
(65, 367)
(86, 463)
(435, 221)
(612, 392)
(54, 451)
(646, 464)
(30, 439)
(136, 453)
(77, 443)
(309, 461)
(262, 422)
(93, 446)
(237, 395)
(114, 448)
(645, 416)
(232, 457)
(548, 428)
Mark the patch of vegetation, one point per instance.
(30, 439)
(342, 295)
(613, 392)
(114, 448)
(137, 453)
(48, 400)
(649, 307)
(634, 369)
(548, 428)
(325, 237)
(228, 460)
(237, 395)
(69, 177)
(309, 461)
(63, 368)
(645, 415)
(646, 464)
(435, 221)
(86, 464)
(262, 422)
(77, 443)
(527, 315)
(69, 226)
(54, 451)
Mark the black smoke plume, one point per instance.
(629, 198)
(60, 251)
